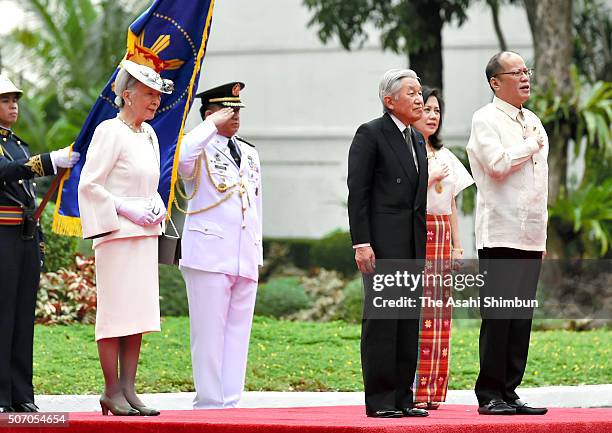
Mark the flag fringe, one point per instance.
(62, 224)
(67, 225)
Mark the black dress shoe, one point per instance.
(6, 409)
(414, 411)
(388, 413)
(496, 407)
(25, 407)
(522, 408)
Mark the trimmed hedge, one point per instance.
(60, 250)
(299, 250)
(172, 291)
(352, 304)
(281, 297)
(333, 252)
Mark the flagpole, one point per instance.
(41, 207)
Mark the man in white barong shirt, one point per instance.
(507, 150)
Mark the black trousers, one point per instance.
(389, 350)
(19, 280)
(504, 342)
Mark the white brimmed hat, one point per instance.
(7, 86)
(148, 77)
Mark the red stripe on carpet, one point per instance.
(341, 419)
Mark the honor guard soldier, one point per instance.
(221, 245)
(20, 252)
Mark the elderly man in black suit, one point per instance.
(387, 181)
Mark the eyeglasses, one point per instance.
(519, 73)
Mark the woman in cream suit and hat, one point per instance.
(122, 211)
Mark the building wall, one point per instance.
(305, 100)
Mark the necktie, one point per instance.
(234, 151)
(408, 138)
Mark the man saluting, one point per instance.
(221, 246)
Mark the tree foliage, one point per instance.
(586, 110)
(411, 27)
(593, 40)
(581, 214)
(64, 57)
(403, 28)
(583, 219)
(576, 111)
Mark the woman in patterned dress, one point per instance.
(447, 178)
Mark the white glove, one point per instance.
(65, 158)
(159, 208)
(137, 211)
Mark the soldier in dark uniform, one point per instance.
(20, 253)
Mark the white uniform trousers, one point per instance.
(220, 315)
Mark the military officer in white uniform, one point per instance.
(221, 245)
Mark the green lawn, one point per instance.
(298, 356)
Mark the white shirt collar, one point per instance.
(222, 140)
(507, 108)
(399, 123)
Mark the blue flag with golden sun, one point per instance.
(171, 38)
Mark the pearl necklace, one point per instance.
(140, 131)
(131, 126)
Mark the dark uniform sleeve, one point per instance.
(35, 166)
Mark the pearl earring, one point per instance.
(130, 103)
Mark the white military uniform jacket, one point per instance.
(227, 236)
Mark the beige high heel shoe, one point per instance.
(107, 404)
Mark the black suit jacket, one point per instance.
(17, 167)
(387, 197)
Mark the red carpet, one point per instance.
(341, 419)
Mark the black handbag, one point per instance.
(169, 252)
